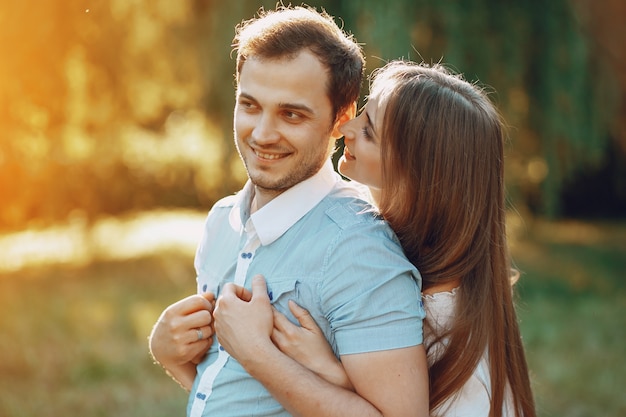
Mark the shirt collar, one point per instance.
(276, 217)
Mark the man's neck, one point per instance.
(262, 197)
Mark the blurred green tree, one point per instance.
(559, 93)
(117, 106)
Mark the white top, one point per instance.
(473, 400)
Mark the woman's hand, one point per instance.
(308, 346)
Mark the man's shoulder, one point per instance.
(226, 202)
(351, 211)
(221, 209)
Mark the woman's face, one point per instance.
(361, 160)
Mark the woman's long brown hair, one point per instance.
(443, 194)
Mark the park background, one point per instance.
(116, 138)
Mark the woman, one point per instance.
(429, 146)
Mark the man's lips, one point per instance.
(269, 156)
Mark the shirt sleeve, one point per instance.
(371, 292)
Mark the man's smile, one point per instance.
(269, 156)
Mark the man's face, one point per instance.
(283, 121)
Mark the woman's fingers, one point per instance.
(303, 316)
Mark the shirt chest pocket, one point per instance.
(281, 290)
(208, 282)
(212, 275)
(305, 294)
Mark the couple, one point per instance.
(429, 147)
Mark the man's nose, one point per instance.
(265, 130)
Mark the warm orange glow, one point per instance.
(104, 110)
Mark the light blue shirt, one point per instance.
(322, 246)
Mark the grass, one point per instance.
(74, 340)
(573, 317)
(73, 336)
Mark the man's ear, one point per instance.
(349, 114)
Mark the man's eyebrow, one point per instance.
(285, 106)
(296, 106)
(246, 96)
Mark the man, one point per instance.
(297, 223)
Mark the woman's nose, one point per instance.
(346, 130)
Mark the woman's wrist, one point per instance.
(335, 374)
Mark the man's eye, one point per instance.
(292, 116)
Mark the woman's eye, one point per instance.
(366, 133)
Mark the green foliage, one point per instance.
(571, 308)
(128, 105)
(554, 88)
